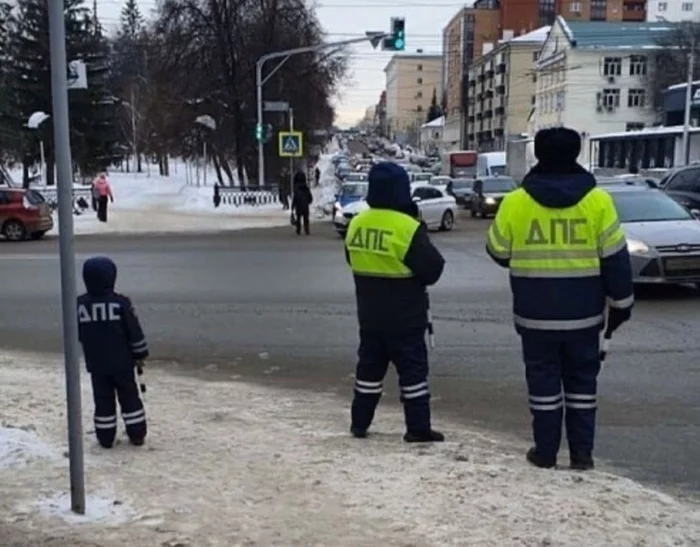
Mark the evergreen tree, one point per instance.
(31, 72)
(8, 135)
(132, 23)
(434, 112)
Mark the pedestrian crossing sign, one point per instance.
(291, 144)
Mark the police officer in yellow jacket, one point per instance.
(393, 261)
(561, 238)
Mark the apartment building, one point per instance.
(593, 77)
(489, 21)
(673, 10)
(411, 79)
(502, 91)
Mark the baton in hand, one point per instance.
(431, 330)
(141, 381)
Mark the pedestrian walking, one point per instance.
(560, 236)
(393, 262)
(102, 189)
(301, 203)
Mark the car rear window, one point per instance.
(34, 197)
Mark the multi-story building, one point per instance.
(593, 77)
(411, 80)
(489, 21)
(380, 114)
(502, 91)
(673, 10)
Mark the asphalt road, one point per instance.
(277, 308)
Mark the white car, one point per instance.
(437, 209)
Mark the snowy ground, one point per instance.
(229, 464)
(175, 204)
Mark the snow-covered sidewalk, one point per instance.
(230, 464)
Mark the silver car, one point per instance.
(663, 238)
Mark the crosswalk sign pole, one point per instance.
(291, 160)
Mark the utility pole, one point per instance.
(374, 37)
(688, 102)
(291, 160)
(134, 144)
(64, 169)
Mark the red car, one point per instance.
(24, 214)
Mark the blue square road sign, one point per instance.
(291, 144)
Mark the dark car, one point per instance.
(487, 194)
(683, 185)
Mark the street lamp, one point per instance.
(210, 123)
(34, 122)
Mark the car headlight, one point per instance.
(490, 201)
(637, 247)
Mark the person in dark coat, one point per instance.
(114, 345)
(301, 202)
(283, 189)
(393, 262)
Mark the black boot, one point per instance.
(358, 433)
(137, 441)
(430, 436)
(581, 462)
(538, 461)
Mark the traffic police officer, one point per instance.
(561, 238)
(113, 342)
(393, 261)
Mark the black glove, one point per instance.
(616, 317)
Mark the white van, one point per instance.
(489, 164)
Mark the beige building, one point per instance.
(501, 91)
(411, 79)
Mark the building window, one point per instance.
(687, 6)
(612, 66)
(419, 68)
(560, 101)
(636, 98)
(610, 98)
(547, 12)
(419, 95)
(419, 81)
(535, 56)
(599, 9)
(575, 7)
(638, 65)
(634, 126)
(663, 6)
(419, 108)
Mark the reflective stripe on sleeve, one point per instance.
(613, 248)
(559, 324)
(139, 346)
(608, 233)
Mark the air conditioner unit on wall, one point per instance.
(611, 79)
(610, 108)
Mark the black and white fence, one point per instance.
(81, 196)
(239, 198)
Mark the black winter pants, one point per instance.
(106, 388)
(302, 217)
(102, 208)
(409, 354)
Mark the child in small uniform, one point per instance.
(113, 343)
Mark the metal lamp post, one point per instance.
(34, 122)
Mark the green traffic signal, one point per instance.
(259, 132)
(398, 33)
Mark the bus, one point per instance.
(460, 164)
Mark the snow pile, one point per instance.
(20, 447)
(234, 464)
(328, 186)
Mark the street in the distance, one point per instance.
(279, 310)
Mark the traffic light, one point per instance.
(259, 132)
(398, 33)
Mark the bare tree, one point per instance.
(672, 60)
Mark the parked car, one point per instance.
(440, 180)
(437, 209)
(487, 194)
(683, 185)
(461, 189)
(421, 177)
(24, 214)
(628, 180)
(663, 238)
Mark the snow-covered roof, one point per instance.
(437, 122)
(537, 36)
(614, 35)
(660, 130)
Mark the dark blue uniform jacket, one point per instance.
(108, 328)
(575, 296)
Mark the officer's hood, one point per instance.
(558, 188)
(99, 275)
(389, 188)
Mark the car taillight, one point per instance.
(28, 205)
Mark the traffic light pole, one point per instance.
(373, 37)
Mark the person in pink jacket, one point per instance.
(103, 191)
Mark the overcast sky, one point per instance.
(345, 19)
